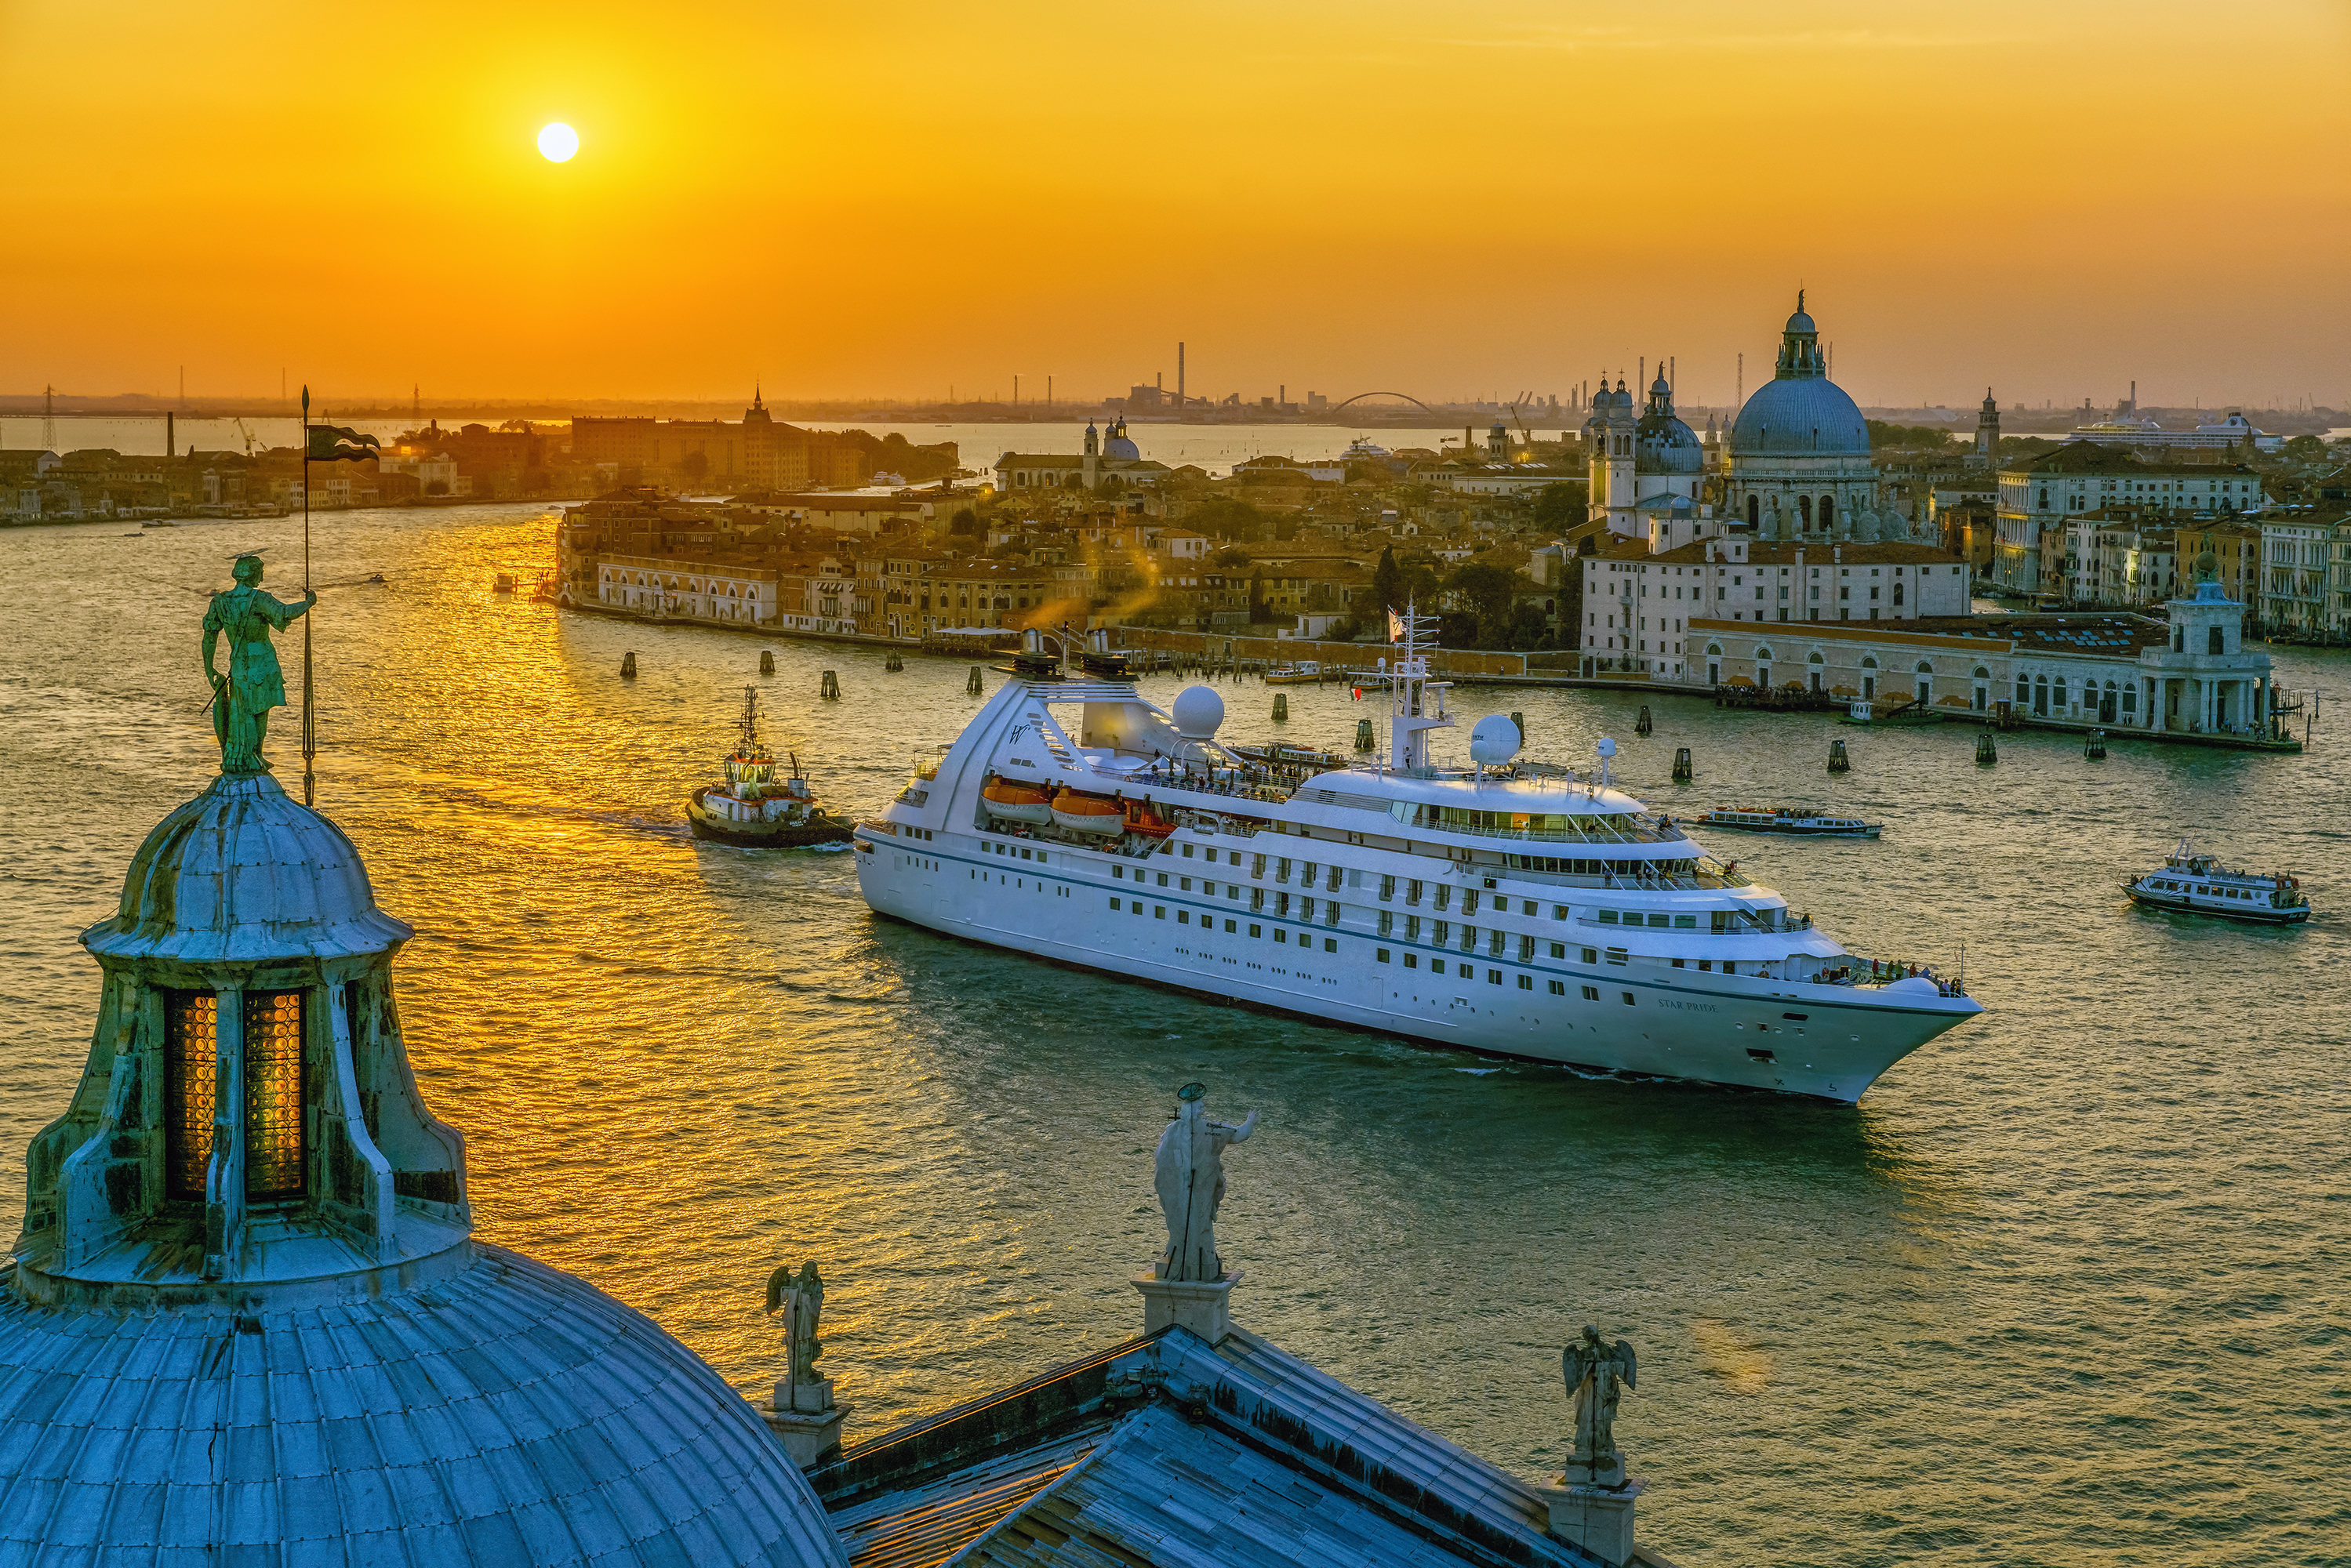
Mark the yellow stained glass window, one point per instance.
(273, 1166)
(191, 1036)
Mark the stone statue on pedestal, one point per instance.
(1189, 1176)
(254, 685)
(800, 1301)
(1596, 1373)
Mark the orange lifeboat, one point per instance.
(1088, 813)
(1142, 819)
(1016, 801)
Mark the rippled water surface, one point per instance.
(2067, 1287)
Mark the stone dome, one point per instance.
(1118, 446)
(1800, 417)
(1662, 443)
(243, 872)
(507, 1414)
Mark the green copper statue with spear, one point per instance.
(254, 684)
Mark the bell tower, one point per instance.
(1988, 431)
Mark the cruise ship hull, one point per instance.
(1827, 1041)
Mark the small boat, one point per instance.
(2192, 883)
(1794, 822)
(1141, 817)
(1362, 449)
(753, 809)
(1299, 674)
(1079, 813)
(1862, 710)
(1012, 800)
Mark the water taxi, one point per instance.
(1798, 821)
(2200, 884)
(1491, 907)
(754, 810)
(1299, 674)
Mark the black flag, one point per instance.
(332, 443)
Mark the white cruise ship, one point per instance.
(1487, 909)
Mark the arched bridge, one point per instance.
(1406, 396)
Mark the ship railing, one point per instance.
(1859, 972)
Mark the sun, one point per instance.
(558, 142)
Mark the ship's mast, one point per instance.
(1416, 703)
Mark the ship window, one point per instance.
(1559, 988)
(1628, 997)
(1228, 927)
(1381, 954)
(1728, 968)
(1158, 912)
(1117, 872)
(1436, 966)
(1187, 851)
(1592, 993)
(1686, 922)
(1114, 903)
(1183, 917)
(1592, 955)
(1559, 912)
(1607, 917)
(1412, 960)
(1281, 935)
(1705, 963)
(1329, 944)
(1254, 931)
(1616, 955)
(1163, 879)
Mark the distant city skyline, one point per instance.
(866, 205)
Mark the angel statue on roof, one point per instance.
(1596, 1373)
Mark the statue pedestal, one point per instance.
(1598, 1518)
(807, 1420)
(1199, 1306)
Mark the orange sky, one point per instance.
(2055, 196)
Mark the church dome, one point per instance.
(1800, 412)
(243, 872)
(1662, 443)
(1800, 418)
(1118, 446)
(507, 1415)
(257, 1323)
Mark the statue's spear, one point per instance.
(309, 734)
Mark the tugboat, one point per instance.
(1303, 672)
(1796, 822)
(2200, 884)
(752, 810)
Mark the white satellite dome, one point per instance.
(1494, 739)
(1198, 711)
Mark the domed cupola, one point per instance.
(1800, 412)
(1116, 445)
(1662, 443)
(248, 1291)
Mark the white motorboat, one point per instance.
(2194, 883)
(1793, 822)
(1489, 906)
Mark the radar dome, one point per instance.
(1608, 746)
(1198, 711)
(1494, 739)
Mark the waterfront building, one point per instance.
(2297, 556)
(665, 587)
(2082, 476)
(2187, 674)
(866, 512)
(759, 452)
(1109, 454)
(1638, 608)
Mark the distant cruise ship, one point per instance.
(1532, 916)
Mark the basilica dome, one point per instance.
(1800, 412)
(1662, 443)
(1116, 444)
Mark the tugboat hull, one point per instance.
(819, 828)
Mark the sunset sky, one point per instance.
(2055, 196)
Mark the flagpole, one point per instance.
(309, 733)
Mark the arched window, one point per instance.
(2131, 699)
(2213, 639)
(2041, 695)
(2024, 688)
(1762, 655)
(2180, 640)
(1805, 511)
(1828, 512)
(2044, 498)
(1754, 511)
(1714, 649)
(1898, 591)
(1926, 666)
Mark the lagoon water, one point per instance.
(2067, 1287)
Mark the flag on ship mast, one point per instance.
(1395, 627)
